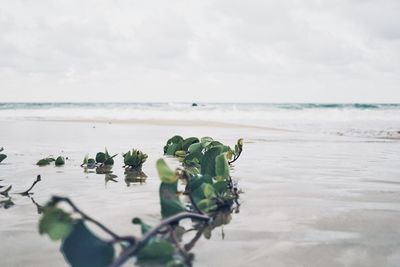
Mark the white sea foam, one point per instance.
(347, 119)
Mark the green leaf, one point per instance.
(180, 153)
(109, 162)
(195, 148)
(173, 144)
(60, 161)
(208, 161)
(172, 149)
(193, 159)
(134, 159)
(160, 251)
(220, 187)
(2, 157)
(84, 249)
(43, 162)
(143, 226)
(101, 157)
(214, 144)
(91, 163)
(209, 191)
(170, 203)
(175, 139)
(188, 142)
(221, 167)
(206, 141)
(207, 205)
(164, 171)
(56, 223)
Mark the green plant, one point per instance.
(2, 156)
(81, 247)
(60, 161)
(134, 159)
(192, 150)
(101, 159)
(45, 161)
(205, 174)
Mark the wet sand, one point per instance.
(309, 200)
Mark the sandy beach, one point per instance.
(309, 199)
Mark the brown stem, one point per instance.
(116, 237)
(130, 251)
(26, 193)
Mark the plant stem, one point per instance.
(130, 251)
(116, 237)
(25, 193)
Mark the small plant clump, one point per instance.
(102, 159)
(59, 161)
(2, 156)
(134, 159)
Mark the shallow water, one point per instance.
(309, 199)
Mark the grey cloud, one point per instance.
(220, 44)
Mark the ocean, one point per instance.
(357, 119)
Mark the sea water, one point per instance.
(357, 119)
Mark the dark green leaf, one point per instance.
(2, 157)
(196, 147)
(60, 161)
(193, 159)
(208, 161)
(221, 167)
(43, 162)
(170, 203)
(83, 249)
(101, 157)
(172, 149)
(220, 187)
(188, 142)
(160, 251)
(209, 191)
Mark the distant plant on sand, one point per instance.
(134, 159)
(59, 161)
(2, 156)
(101, 159)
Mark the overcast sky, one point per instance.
(225, 50)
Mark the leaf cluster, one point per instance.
(82, 248)
(101, 159)
(59, 161)
(206, 173)
(134, 159)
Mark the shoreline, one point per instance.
(162, 122)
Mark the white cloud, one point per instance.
(225, 50)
